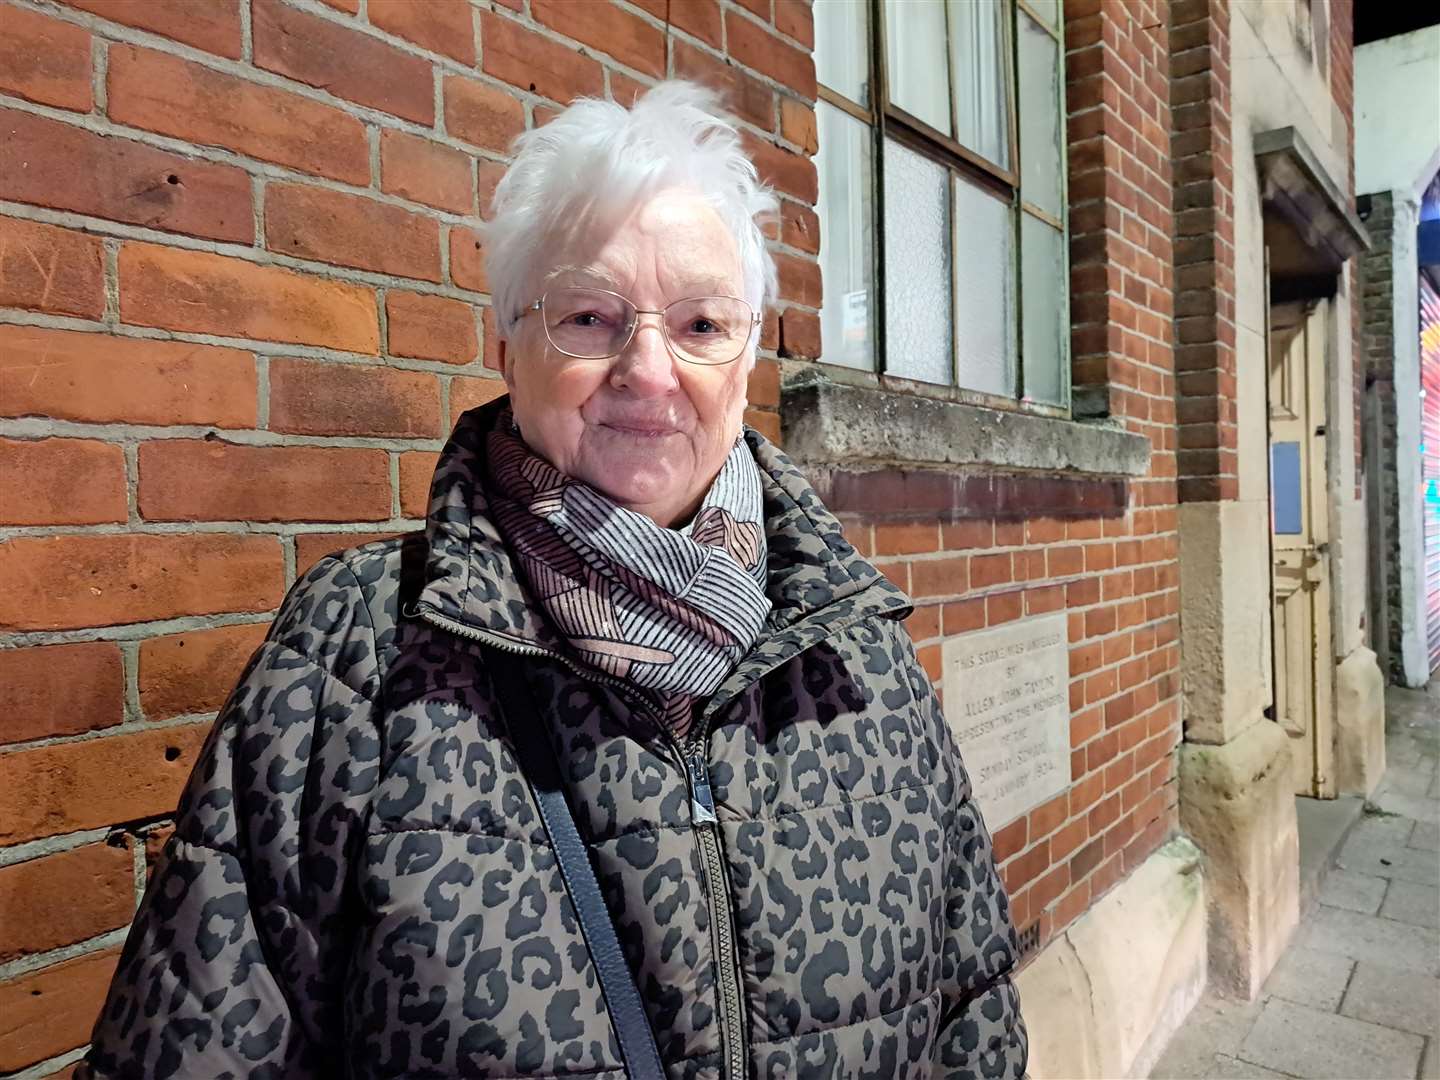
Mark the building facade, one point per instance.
(1066, 308)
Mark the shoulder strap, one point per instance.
(537, 760)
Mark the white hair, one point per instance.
(596, 161)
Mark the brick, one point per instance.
(755, 47)
(426, 172)
(799, 227)
(794, 17)
(482, 115)
(156, 837)
(799, 334)
(60, 690)
(525, 59)
(766, 423)
(748, 97)
(310, 548)
(987, 570)
(205, 480)
(68, 168)
(350, 7)
(344, 62)
(908, 539)
(45, 268)
(205, 293)
(68, 582)
(318, 398)
(487, 178)
(963, 615)
(763, 388)
(175, 97)
(50, 1011)
(605, 26)
(797, 124)
(939, 577)
(49, 790)
(45, 60)
(351, 230)
(58, 900)
(61, 482)
(194, 672)
(417, 469)
(799, 282)
(442, 26)
(471, 393)
(213, 26)
(924, 624)
(1003, 608)
(467, 260)
(431, 327)
(1009, 840)
(698, 17)
(792, 173)
(97, 378)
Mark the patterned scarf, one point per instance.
(670, 611)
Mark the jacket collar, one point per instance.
(816, 580)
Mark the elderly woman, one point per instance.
(625, 766)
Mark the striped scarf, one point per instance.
(669, 611)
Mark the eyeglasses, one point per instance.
(595, 324)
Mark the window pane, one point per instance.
(1039, 116)
(1049, 10)
(917, 266)
(842, 48)
(916, 63)
(1043, 293)
(846, 238)
(984, 291)
(978, 58)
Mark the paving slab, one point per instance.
(1215, 1028)
(1413, 780)
(1310, 977)
(1426, 836)
(1397, 999)
(1431, 1069)
(1230, 1068)
(1371, 938)
(1323, 1046)
(1388, 855)
(1408, 902)
(1353, 892)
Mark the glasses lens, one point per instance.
(588, 323)
(709, 329)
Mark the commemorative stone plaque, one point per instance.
(1007, 698)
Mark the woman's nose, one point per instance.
(646, 366)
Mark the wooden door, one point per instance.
(1299, 522)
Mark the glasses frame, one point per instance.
(539, 305)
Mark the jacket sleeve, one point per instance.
(982, 1035)
(235, 961)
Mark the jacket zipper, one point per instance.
(722, 924)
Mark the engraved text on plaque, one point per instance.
(1007, 698)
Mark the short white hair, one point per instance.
(596, 161)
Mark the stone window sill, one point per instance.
(837, 426)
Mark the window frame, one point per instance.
(888, 120)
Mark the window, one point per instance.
(942, 194)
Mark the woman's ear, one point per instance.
(501, 361)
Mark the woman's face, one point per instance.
(646, 428)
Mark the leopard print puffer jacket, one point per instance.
(359, 884)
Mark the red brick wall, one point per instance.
(1199, 45)
(241, 305)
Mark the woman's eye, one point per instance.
(703, 326)
(585, 318)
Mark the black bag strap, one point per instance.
(538, 761)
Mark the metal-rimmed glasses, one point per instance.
(596, 324)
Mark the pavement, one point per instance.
(1356, 996)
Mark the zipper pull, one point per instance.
(702, 803)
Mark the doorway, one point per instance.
(1304, 663)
